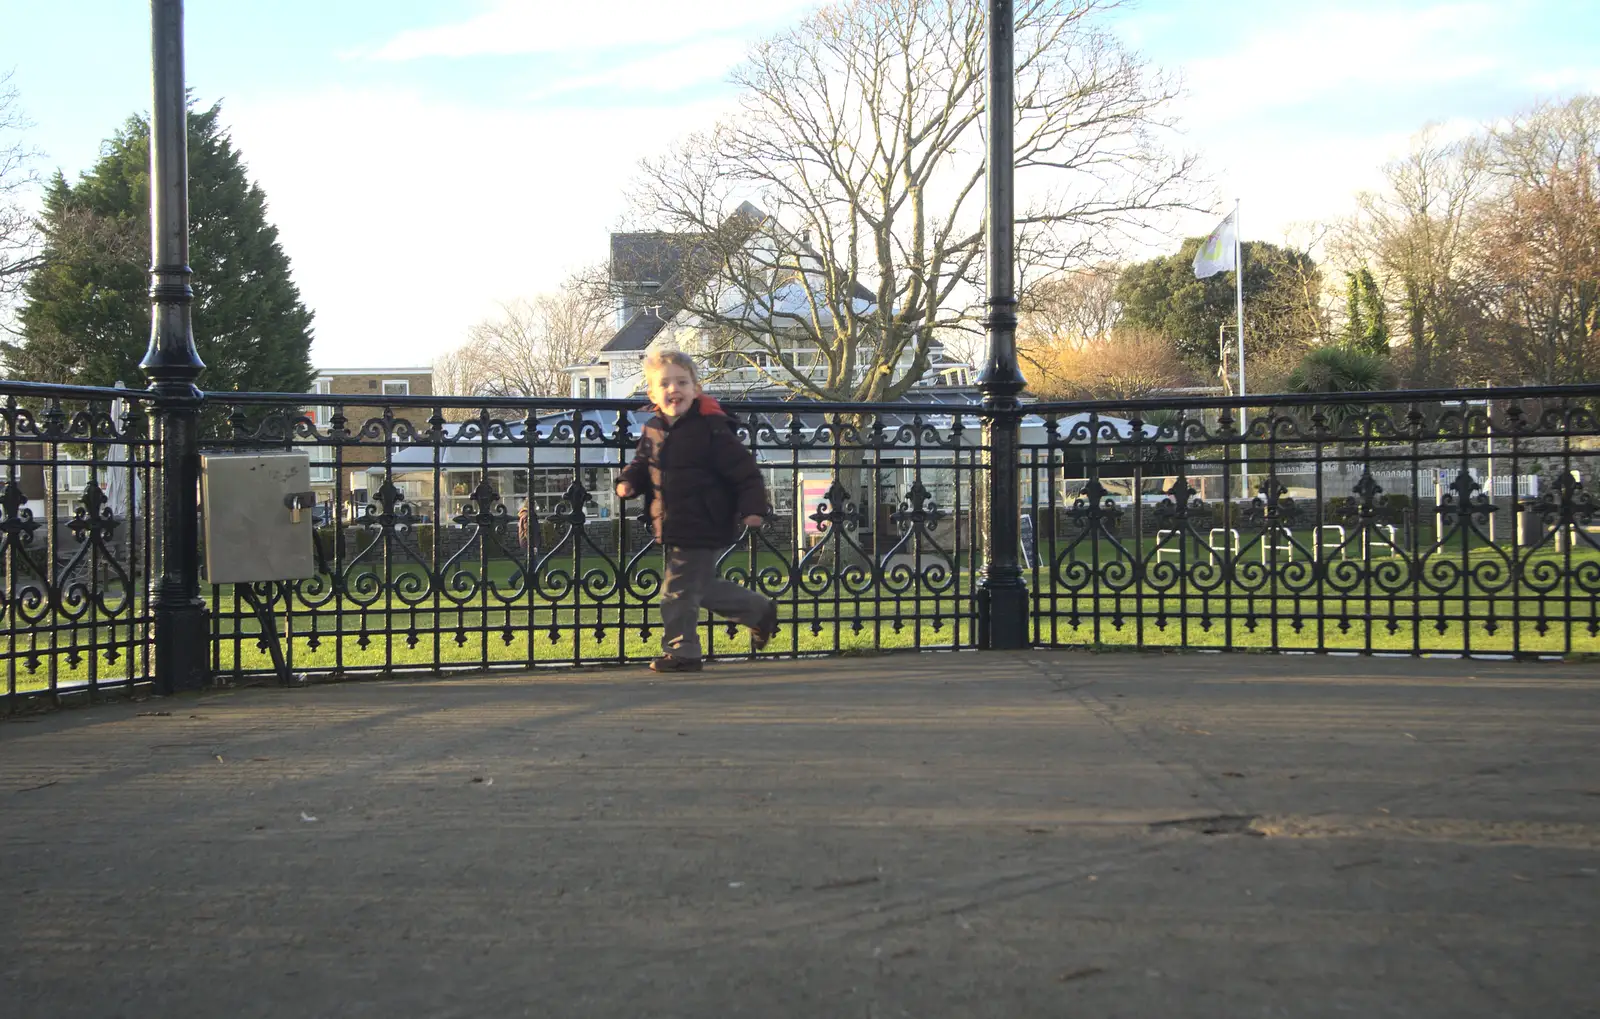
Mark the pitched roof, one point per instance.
(677, 262)
(648, 257)
(637, 332)
(655, 258)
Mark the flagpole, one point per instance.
(1238, 293)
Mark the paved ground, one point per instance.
(943, 835)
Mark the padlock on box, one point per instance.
(256, 510)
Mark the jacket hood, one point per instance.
(708, 405)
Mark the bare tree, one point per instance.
(968, 346)
(523, 350)
(19, 240)
(1317, 295)
(1079, 306)
(859, 139)
(1419, 235)
(459, 373)
(1540, 245)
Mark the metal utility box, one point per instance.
(257, 516)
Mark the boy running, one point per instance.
(701, 487)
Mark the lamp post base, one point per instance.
(1002, 614)
(182, 647)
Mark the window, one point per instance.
(583, 389)
(780, 489)
(320, 413)
(547, 489)
(941, 481)
(599, 389)
(76, 479)
(396, 387)
(322, 471)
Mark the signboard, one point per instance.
(813, 493)
(1030, 541)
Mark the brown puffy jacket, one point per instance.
(698, 480)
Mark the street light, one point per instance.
(182, 629)
(1002, 592)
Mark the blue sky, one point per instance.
(425, 160)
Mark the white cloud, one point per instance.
(694, 64)
(1325, 51)
(1286, 185)
(535, 26)
(1271, 119)
(1566, 81)
(408, 219)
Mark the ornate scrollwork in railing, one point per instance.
(74, 520)
(491, 537)
(1371, 526)
(479, 534)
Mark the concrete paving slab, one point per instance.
(1029, 834)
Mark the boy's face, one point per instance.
(673, 390)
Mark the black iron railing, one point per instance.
(486, 534)
(75, 516)
(482, 534)
(1430, 522)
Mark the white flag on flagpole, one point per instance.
(1216, 252)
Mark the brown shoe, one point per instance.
(767, 628)
(667, 663)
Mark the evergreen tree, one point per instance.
(86, 316)
(1376, 338)
(1367, 327)
(1354, 328)
(1163, 296)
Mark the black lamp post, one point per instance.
(1002, 592)
(182, 630)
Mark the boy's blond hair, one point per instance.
(657, 360)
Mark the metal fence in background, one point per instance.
(482, 534)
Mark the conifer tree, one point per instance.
(86, 315)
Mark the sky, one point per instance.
(425, 160)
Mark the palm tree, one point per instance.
(1326, 371)
(1341, 369)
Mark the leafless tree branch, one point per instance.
(859, 139)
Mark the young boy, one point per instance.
(701, 486)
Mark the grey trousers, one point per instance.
(691, 581)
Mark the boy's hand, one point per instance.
(624, 490)
(754, 522)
